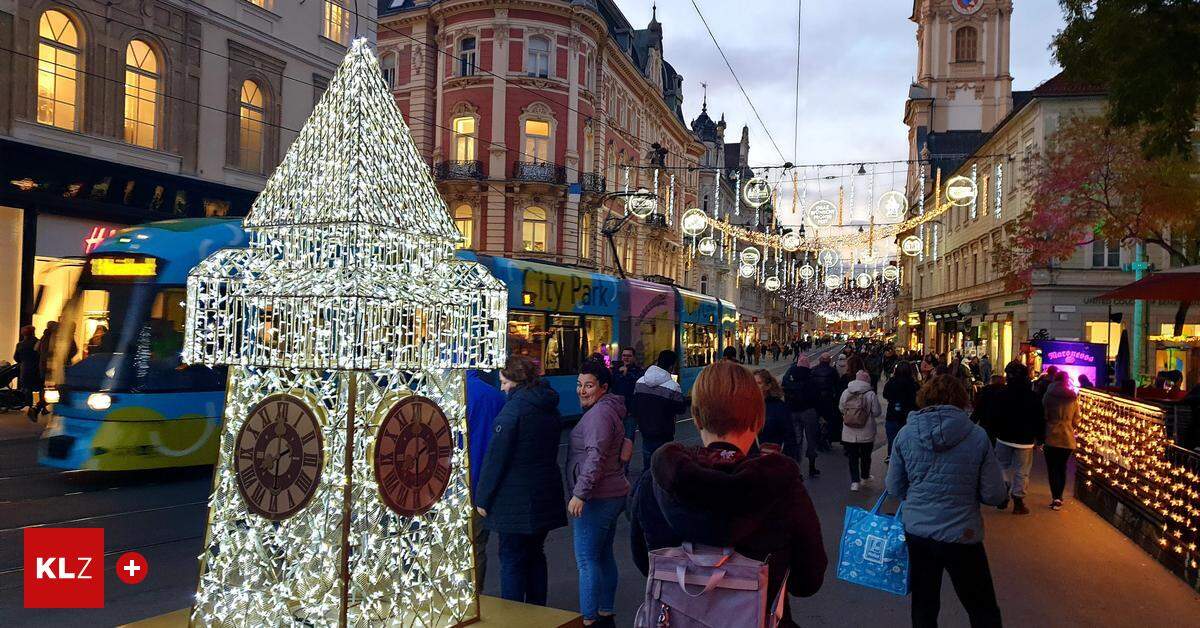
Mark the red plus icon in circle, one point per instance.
(131, 568)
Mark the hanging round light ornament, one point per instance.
(750, 256)
(829, 257)
(960, 191)
(756, 192)
(747, 270)
(641, 203)
(790, 241)
(807, 272)
(707, 245)
(863, 280)
(833, 282)
(694, 221)
(911, 246)
(821, 213)
(891, 273)
(893, 205)
(772, 283)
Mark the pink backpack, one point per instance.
(706, 587)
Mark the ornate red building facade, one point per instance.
(529, 111)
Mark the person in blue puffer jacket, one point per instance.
(942, 467)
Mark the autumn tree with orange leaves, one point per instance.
(1094, 182)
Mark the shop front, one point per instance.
(56, 207)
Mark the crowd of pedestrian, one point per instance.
(950, 451)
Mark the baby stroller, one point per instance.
(10, 397)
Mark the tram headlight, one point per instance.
(51, 395)
(99, 401)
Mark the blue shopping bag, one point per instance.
(874, 552)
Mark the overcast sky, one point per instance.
(857, 61)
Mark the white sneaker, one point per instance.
(854, 486)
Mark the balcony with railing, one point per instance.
(539, 172)
(657, 221)
(592, 183)
(457, 170)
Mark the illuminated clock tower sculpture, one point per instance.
(341, 492)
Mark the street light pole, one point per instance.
(613, 224)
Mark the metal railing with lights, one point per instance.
(1133, 474)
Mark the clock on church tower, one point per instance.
(341, 492)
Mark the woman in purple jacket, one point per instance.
(596, 476)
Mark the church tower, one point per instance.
(963, 88)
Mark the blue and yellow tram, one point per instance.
(122, 399)
(559, 316)
(699, 335)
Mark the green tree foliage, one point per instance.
(1146, 53)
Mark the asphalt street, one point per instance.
(1051, 569)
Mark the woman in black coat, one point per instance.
(26, 356)
(778, 428)
(520, 491)
(901, 394)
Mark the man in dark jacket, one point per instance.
(625, 375)
(721, 496)
(1015, 419)
(484, 402)
(825, 381)
(802, 399)
(657, 400)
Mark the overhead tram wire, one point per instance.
(738, 81)
(696, 167)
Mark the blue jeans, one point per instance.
(523, 575)
(593, 534)
(1015, 463)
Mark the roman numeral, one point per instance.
(252, 432)
(274, 502)
(311, 460)
(442, 430)
(442, 473)
(281, 410)
(304, 482)
(307, 438)
(391, 481)
(259, 492)
(444, 451)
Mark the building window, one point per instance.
(966, 44)
(141, 93)
(387, 67)
(703, 284)
(533, 229)
(537, 57)
(585, 236)
(537, 140)
(464, 219)
(589, 72)
(464, 138)
(251, 118)
(589, 149)
(1106, 254)
(466, 56)
(58, 62)
(336, 25)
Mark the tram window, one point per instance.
(654, 335)
(599, 335)
(527, 335)
(166, 324)
(564, 345)
(699, 344)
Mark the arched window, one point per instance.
(387, 67)
(611, 161)
(966, 44)
(464, 138)
(466, 56)
(141, 93)
(537, 57)
(533, 229)
(585, 236)
(589, 148)
(251, 118)
(703, 284)
(58, 63)
(464, 219)
(537, 141)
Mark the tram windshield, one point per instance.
(126, 337)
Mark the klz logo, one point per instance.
(64, 568)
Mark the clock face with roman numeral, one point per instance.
(412, 456)
(279, 457)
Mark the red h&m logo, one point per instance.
(64, 568)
